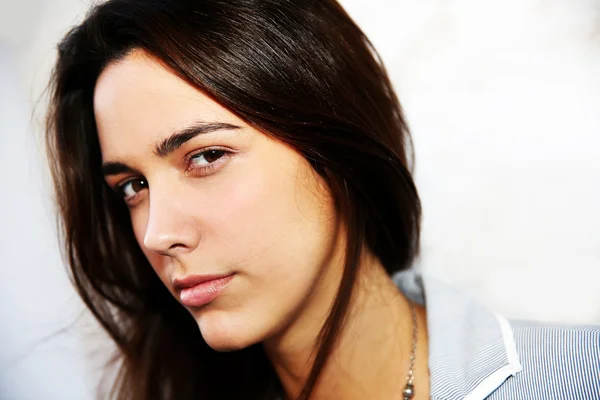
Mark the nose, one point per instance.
(171, 227)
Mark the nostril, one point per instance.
(177, 246)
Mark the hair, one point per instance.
(302, 72)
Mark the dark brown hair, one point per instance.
(299, 70)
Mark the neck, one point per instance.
(371, 354)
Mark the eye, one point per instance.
(131, 188)
(207, 161)
(206, 157)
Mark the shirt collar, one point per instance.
(472, 350)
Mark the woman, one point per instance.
(235, 195)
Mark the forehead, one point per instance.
(138, 101)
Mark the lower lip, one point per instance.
(204, 293)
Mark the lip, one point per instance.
(198, 290)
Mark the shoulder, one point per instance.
(574, 348)
(559, 347)
(558, 362)
(572, 338)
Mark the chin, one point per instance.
(224, 333)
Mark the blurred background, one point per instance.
(503, 99)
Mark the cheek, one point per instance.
(274, 223)
(139, 221)
(275, 227)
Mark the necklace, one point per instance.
(409, 389)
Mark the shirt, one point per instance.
(476, 354)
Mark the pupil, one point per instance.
(138, 185)
(213, 155)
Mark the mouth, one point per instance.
(199, 290)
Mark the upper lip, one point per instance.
(194, 280)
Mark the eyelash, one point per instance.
(198, 171)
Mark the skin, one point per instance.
(255, 208)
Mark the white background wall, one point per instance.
(503, 99)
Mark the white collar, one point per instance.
(472, 350)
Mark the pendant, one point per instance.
(408, 392)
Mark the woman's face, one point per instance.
(210, 196)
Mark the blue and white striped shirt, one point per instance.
(476, 354)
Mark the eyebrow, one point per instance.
(177, 139)
(115, 168)
(170, 144)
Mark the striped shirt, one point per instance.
(476, 354)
